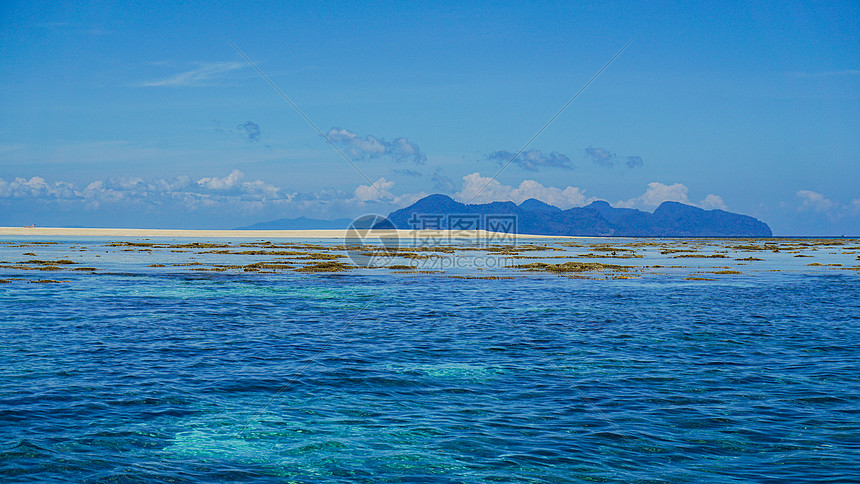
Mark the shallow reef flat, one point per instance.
(25, 259)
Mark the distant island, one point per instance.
(670, 219)
(300, 223)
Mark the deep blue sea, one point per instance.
(141, 374)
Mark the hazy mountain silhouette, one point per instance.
(300, 223)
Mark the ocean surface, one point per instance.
(138, 373)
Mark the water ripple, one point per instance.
(353, 379)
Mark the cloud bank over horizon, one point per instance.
(233, 200)
(479, 189)
(233, 188)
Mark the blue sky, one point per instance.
(144, 115)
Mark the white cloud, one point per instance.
(203, 75)
(657, 193)
(356, 145)
(261, 190)
(250, 190)
(812, 201)
(36, 187)
(206, 192)
(225, 183)
(380, 192)
(815, 201)
(713, 202)
(371, 147)
(229, 200)
(479, 189)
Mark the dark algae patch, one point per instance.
(700, 256)
(49, 262)
(328, 266)
(257, 266)
(253, 252)
(572, 267)
(612, 255)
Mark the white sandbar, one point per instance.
(252, 234)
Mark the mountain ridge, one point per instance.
(599, 218)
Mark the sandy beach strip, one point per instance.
(254, 234)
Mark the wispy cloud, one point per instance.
(251, 130)
(532, 160)
(819, 203)
(204, 75)
(842, 73)
(371, 147)
(608, 159)
(407, 172)
(815, 201)
(73, 28)
(442, 183)
(634, 161)
(600, 156)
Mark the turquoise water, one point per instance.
(136, 374)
